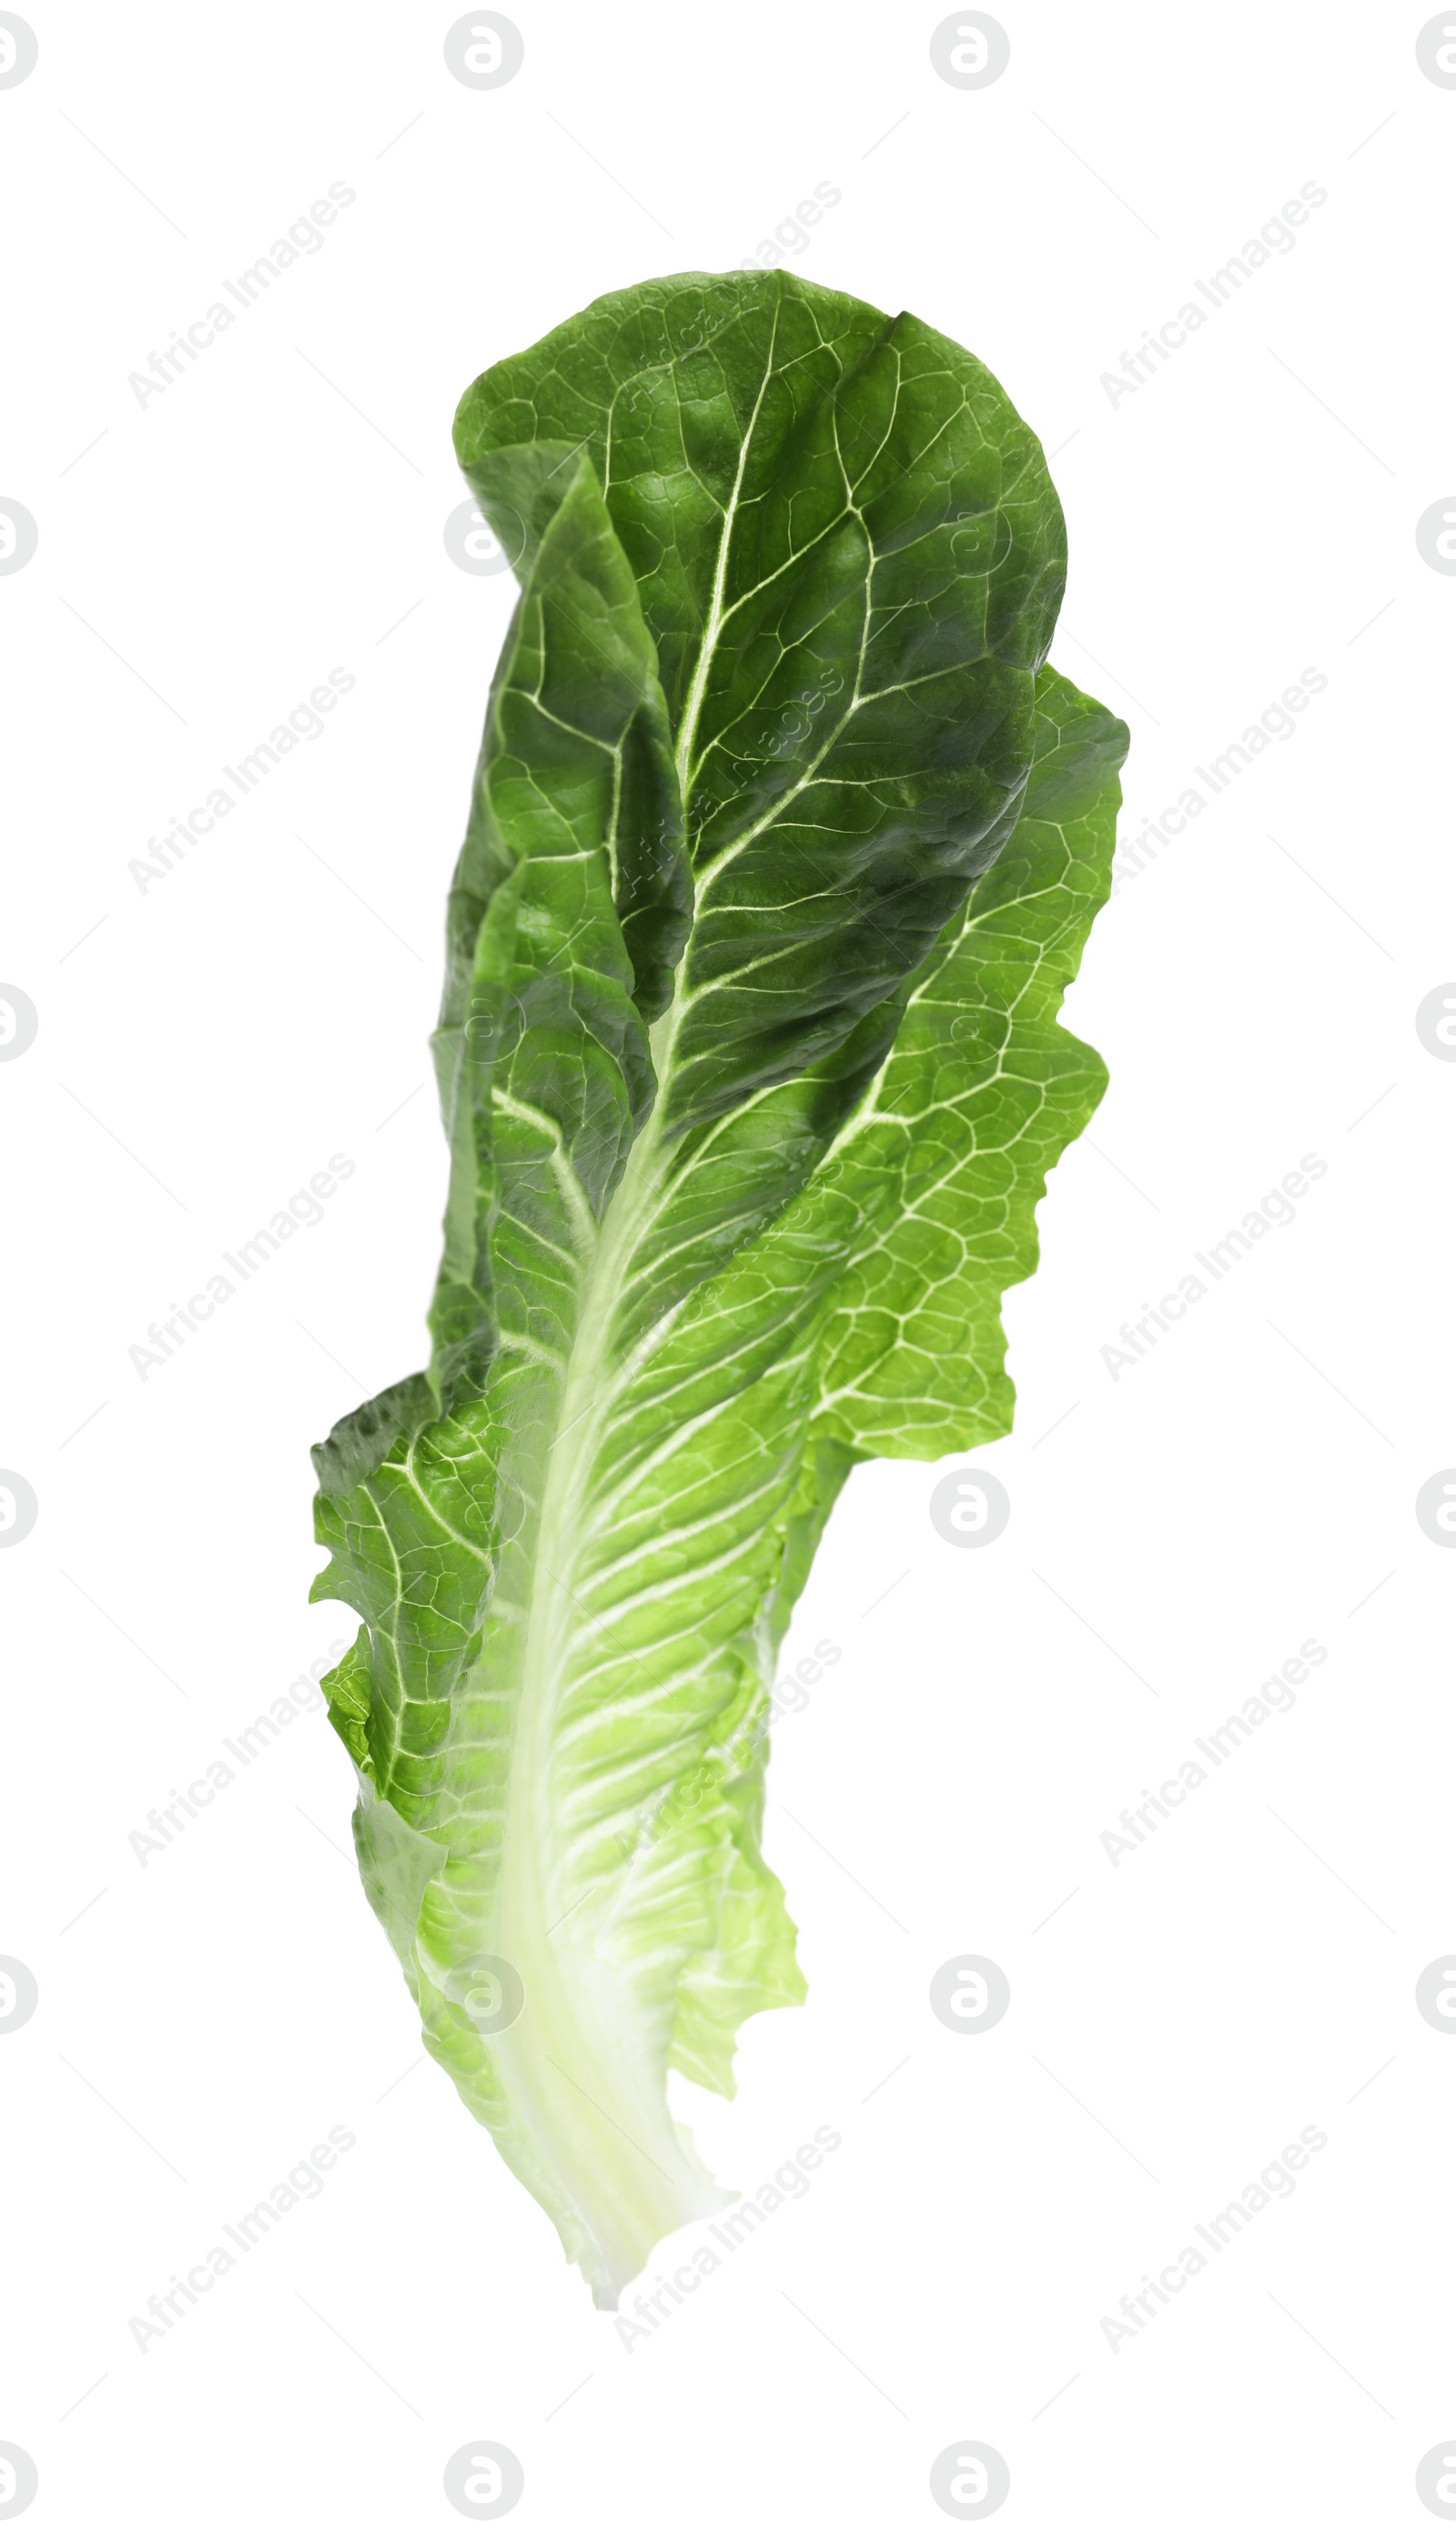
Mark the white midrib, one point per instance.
(628, 1212)
(692, 709)
(605, 2132)
(585, 1400)
(649, 2168)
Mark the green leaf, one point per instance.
(947, 1157)
(783, 848)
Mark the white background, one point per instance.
(206, 1044)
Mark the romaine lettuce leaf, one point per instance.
(783, 848)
